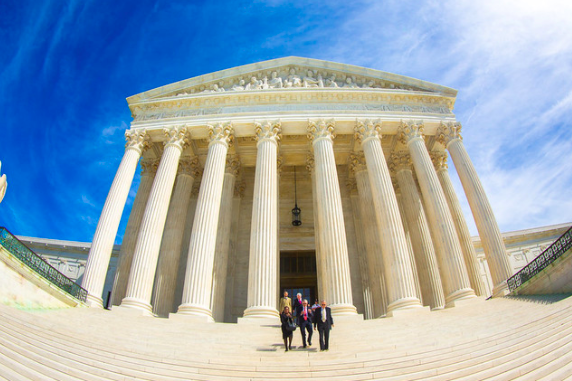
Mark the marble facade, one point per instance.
(211, 220)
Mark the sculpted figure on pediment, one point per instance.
(238, 87)
(350, 84)
(275, 81)
(368, 85)
(310, 81)
(293, 80)
(331, 81)
(254, 84)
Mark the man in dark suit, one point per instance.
(324, 321)
(305, 322)
(297, 305)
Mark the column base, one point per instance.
(94, 301)
(257, 312)
(402, 304)
(464, 293)
(343, 309)
(500, 290)
(138, 305)
(195, 310)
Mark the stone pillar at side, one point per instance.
(142, 274)
(331, 218)
(398, 270)
(198, 277)
(104, 237)
(262, 266)
(450, 136)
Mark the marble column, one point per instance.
(170, 252)
(331, 219)
(198, 277)
(104, 237)
(148, 170)
(425, 258)
(142, 274)
(370, 233)
(454, 275)
(262, 273)
(223, 238)
(361, 249)
(450, 136)
(320, 259)
(398, 270)
(439, 159)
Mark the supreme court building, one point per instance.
(225, 158)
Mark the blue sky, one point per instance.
(66, 68)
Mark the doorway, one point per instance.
(298, 274)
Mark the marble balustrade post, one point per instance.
(371, 234)
(320, 260)
(331, 218)
(104, 237)
(198, 277)
(425, 258)
(262, 265)
(170, 252)
(144, 265)
(493, 245)
(223, 238)
(148, 170)
(454, 275)
(398, 270)
(439, 159)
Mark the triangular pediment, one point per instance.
(290, 73)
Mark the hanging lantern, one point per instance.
(296, 220)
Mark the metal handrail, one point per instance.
(40, 266)
(559, 247)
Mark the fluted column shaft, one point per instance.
(223, 240)
(170, 252)
(142, 274)
(425, 258)
(263, 262)
(199, 273)
(320, 259)
(469, 254)
(148, 170)
(104, 237)
(491, 239)
(331, 217)
(398, 270)
(454, 275)
(372, 240)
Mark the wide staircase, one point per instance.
(511, 338)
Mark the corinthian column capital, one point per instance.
(190, 166)
(176, 136)
(447, 132)
(410, 130)
(357, 162)
(137, 140)
(268, 131)
(149, 167)
(439, 159)
(239, 188)
(351, 184)
(233, 165)
(400, 160)
(321, 129)
(310, 163)
(221, 133)
(366, 129)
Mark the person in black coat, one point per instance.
(305, 318)
(324, 322)
(287, 320)
(297, 304)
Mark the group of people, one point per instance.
(300, 314)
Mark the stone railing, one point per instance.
(559, 247)
(40, 266)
